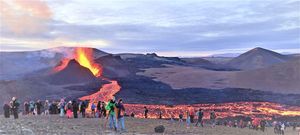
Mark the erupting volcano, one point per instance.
(85, 57)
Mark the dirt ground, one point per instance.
(54, 125)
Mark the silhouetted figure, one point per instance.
(38, 106)
(99, 109)
(26, 108)
(160, 115)
(75, 108)
(146, 112)
(82, 108)
(180, 117)
(103, 111)
(6, 109)
(132, 115)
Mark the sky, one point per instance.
(185, 28)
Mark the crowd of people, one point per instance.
(114, 112)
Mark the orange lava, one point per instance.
(264, 110)
(84, 56)
(63, 63)
(106, 92)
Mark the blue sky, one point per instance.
(167, 27)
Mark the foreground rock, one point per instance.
(54, 125)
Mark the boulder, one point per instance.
(159, 129)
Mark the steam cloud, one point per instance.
(24, 16)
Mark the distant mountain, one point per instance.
(226, 55)
(257, 58)
(73, 73)
(279, 78)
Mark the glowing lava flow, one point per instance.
(264, 110)
(106, 92)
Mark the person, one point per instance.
(200, 117)
(282, 127)
(262, 125)
(46, 107)
(192, 114)
(146, 112)
(110, 107)
(26, 108)
(82, 108)
(103, 111)
(120, 117)
(52, 108)
(62, 107)
(15, 107)
(31, 107)
(75, 108)
(69, 107)
(38, 106)
(180, 117)
(213, 118)
(99, 109)
(93, 108)
(188, 119)
(132, 115)
(6, 109)
(160, 114)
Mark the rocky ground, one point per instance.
(54, 125)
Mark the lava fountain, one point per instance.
(84, 56)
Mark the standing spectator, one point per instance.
(31, 107)
(82, 108)
(103, 111)
(69, 108)
(99, 109)
(282, 128)
(188, 119)
(110, 107)
(180, 117)
(62, 107)
(160, 114)
(213, 118)
(46, 107)
(93, 108)
(146, 112)
(26, 108)
(6, 109)
(38, 106)
(120, 117)
(15, 107)
(200, 117)
(192, 114)
(75, 109)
